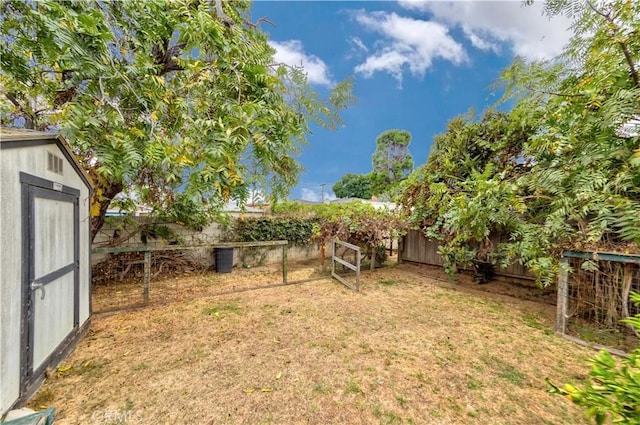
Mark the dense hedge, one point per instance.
(298, 231)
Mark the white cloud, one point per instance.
(291, 52)
(524, 29)
(357, 49)
(310, 195)
(408, 43)
(315, 195)
(480, 43)
(356, 42)
(387, 60)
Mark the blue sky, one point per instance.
(415, 65)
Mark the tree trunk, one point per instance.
(323, 254)
(104, 193)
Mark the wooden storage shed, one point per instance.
(45, 274)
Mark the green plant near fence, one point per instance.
(613, 389)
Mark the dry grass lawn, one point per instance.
(407, 349)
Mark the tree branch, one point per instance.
(104, 98)
(258, 22)
(599, 12)
(225, 19)
(537, 197)
(164, 56)
(65, 72)
(623, 46)
(629, 59)
(29, 118)
(551, 93)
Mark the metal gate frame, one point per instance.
(354, 267)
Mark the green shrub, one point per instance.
(298, 231)
(613, 391)
(189, 212)
(293, 208)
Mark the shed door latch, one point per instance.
(40, 286)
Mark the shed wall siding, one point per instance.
(10, 199)
(31, 160)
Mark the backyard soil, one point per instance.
(411, 347)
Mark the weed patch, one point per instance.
(505, 370)
(321, 388)
(222, 309)
(353, 387)
(43, 398)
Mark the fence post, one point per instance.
(333, 254)
(357, 271)
(147, 276)
(284, 263)
(400, 249)
(563, 296)
(323, 254)
(374, 251)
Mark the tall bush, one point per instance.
(296, 230)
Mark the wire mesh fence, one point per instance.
(133, 276)
(597, 299)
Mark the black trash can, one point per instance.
(224, 260)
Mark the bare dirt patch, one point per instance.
(407, 349)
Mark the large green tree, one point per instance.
(565, 169)
(391, 161)
(353, 186)
(586, 104)
(469, 193)
(157, 96)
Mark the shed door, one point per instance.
(51, 311)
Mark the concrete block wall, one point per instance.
(211, 234)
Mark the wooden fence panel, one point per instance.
(516, 269)
(418, 249)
